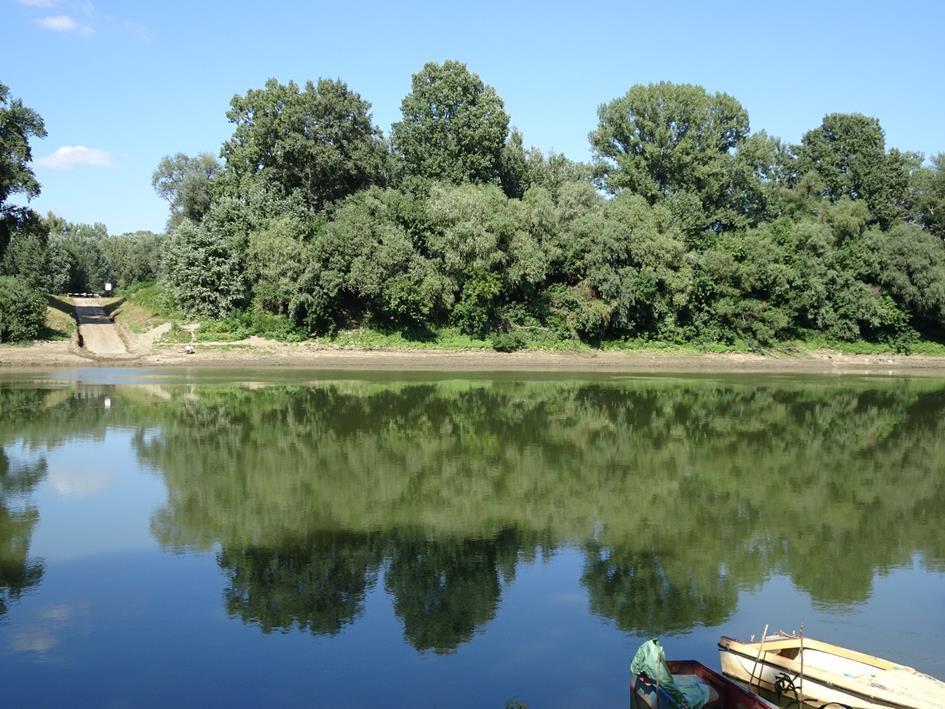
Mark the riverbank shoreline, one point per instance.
(256, 352)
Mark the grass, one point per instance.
(249, 323)
(645, 345)
(177, 335)
(366, 338)
(146, 306)
(60, 319)
(919, 347)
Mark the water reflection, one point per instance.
(18, 478)
(680, 494)
(316, 584)
(17, 571)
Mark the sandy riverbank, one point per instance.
(256, 352)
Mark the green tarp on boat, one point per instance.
(685, 691)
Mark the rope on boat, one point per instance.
(784, 684)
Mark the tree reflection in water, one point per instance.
(680, 493)
(18, 518)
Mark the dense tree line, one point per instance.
(686, 226)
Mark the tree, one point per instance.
(930, 185)
(17, 124)
(910, 264)
(848, 153)
(454, 126)
(677, 140)
(134, 257)
(186, 183)
(22, 310)
(204, 276)
(318, 140)
(369, 266)
(28, 255)
(81, 245)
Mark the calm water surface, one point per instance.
(298, 538)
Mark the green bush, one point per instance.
(243, 324)
(22, 310)
(508, 342)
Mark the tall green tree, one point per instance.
(848, 153)
(454, 126)
(18, 124)
(677, 141)
(186, 183)
(318, 140)
(204, 275)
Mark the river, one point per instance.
(301, 538)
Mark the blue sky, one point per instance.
(121, 84)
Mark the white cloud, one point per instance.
(64, 23)
(39, 3)
(70, 156)
(72, 483)
(38, 641)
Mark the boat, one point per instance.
(818, 673)
(659, 683)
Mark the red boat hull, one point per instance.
(731, 694)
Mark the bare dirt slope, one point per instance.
(99, 334)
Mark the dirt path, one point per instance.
(99, 334)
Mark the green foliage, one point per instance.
(22, 310)
(910, 264)
(18, 124)
(29, 258)
(454, 127)
(152, 297)
(82, 258)
(929, 184)
(848, 153)
(636, 265)
(664, 140)
(249, 323)
(134, 257)
(187, 184)
(711, 236)
(368, 263)
(577, 312)
(508, 341)
(475, 313)
(203, 274)
(318, 141)
(277, 258)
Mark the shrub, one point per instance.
(22, 310)
(508, 342)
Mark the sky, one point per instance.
(120, 84)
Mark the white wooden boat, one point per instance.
(831, 674)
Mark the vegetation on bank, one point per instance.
(688, 230)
